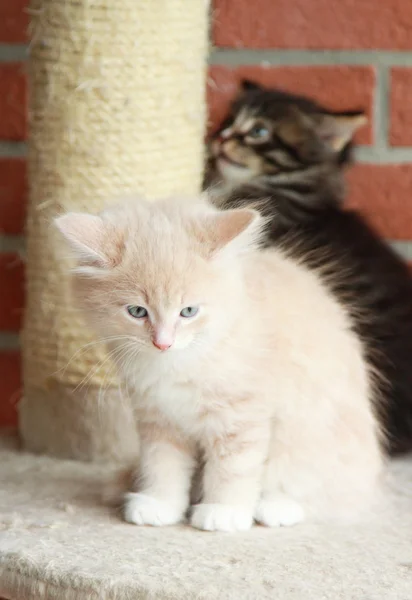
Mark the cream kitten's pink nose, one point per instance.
(161, 345)
(162, 338)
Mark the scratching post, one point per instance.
(116, 105)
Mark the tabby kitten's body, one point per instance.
(285, 155)
(235, 357)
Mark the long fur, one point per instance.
(264, 393)
(302, 196)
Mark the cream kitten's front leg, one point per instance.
(231, 481)
(165, 471)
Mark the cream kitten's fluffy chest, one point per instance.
(197, 402)
(179, 403)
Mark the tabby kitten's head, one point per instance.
(270, 132)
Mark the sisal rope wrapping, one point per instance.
(116, 105)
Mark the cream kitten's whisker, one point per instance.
(124, 361)
(108, 358)
(89, 345)
(123, 351)
(105, 385)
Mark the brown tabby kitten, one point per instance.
(285, 155)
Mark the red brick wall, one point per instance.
(349, 54)
(13, 118)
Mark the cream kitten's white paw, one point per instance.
(278, 510)
(221, 517)
(141, 509)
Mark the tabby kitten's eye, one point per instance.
(189, 311)
(258, 132)
(137, 312)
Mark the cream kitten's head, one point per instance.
(166, 274)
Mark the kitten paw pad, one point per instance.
(279, 511)
(141, 509)
(221, 517)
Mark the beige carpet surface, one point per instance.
(58, 542)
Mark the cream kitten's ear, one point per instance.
(87, 237)
(240, 228)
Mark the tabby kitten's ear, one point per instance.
(337, 130)
(247, 85)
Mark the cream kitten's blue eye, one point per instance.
(137, 312)
(189, 311)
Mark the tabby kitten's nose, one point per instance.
(223, 135)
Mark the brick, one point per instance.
(400, 133)
(13, 21)
(338, 88)
(383, 194)
(12, 292)
(13, 122)
(13, 195)
(10, 390)
(313, 24)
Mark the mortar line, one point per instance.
(13, 149)
(9, 341)
(13, 52)
(281, 57)
(273, 56)
(12, 243)
(403, 247)
(381, 109)
(366, 154)
(383, 155)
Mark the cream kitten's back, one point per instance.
(325, 389)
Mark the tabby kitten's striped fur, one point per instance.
(285, 155)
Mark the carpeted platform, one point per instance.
(58, 542)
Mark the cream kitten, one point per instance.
(235, 356)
